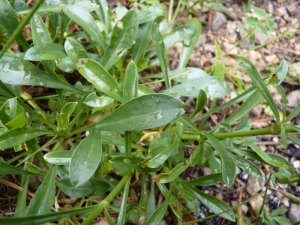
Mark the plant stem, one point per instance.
(20, 27)
(108, 199)
(274, 130)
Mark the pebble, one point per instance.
(294, 214)
(272, 59)
(253, 185)
(296, 165)
(210, 48)
(293, 10)
(256, 203)
(218, 20)
(230, 47)
(281, 11)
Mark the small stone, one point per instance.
(293, 10)
(230, 47)
(253, 185)
(210, 48)
(285, 202)
(256, 203)
(272, 59)
(281, 11)
(293, 98)
(294, 214)
(270, 8)
(254, 56)
(296, 165)
(218, 20)
(232, 38)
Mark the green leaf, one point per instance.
(39, 31)
(43, 198)
(34, 169)
(208, 180)
(130, 163)
(213, 204)
(282, 220)
(48, 51)
(194, 29)
(122, 213)
(271, 24)
(228, 165)
(64, 116)
(212, 86)
(96, 74)
(160, 153)
(201, 102)
(259, 82)
(80, 191)
(159, 46)
(59, 157)
(247, 166)
(9, 169)
(277, 212)
(100, 186)
(86, 158)
(177, 35)
(86, 21)
(280, 74)
(122, 38)
(18, 136)
(93, 100)
(150, 13)
(17, 71)
(261, 12)
(142, 40)
(159, 213)
(144, 112)
(173, 174)
(189, 199)
(130, 87)
(9, 22)
(246, 107)
(265, 156)
(252, 21)
(75, 51)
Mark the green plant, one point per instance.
(109, 128)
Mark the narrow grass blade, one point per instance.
(160, 49)
(130, 87)
(259, 82)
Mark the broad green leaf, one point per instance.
(64, 116)
(18, 136)
(252, 21)
(261, 12)
(160, 153)
(17, 71)
(228, 165)
(144, 112)
(75, 50)
(40, 219)
(43, 198)
(247, 166)
(122, 38)
(213, 204)
(86, 158)
(100, 186)
(150, 13)
(159, 213)
(278, 212)
(270, 23)
(48, 51)
(282, 220)
(160, 49)
(280, 74)
(9, 169)
(86, 21)
(65, 64)
(9, 22)
(267, 158)
(208, 180)
(96, 74)
(173, 174)
(93, 100)
(130, 87)
(59, 157)
(142, 40)
(12, 114)
(201, 102)
(189, 199)
(39, 31)
(212, 86)
(130, 163)
(80, 191)
(194, 29)
(259, 83)
(177, 35)
(253, 100)
(103, 11)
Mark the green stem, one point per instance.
(128, 136)
(108, 199)
(274, 130)
(20, 27)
